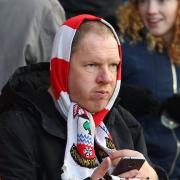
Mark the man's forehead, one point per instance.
(93, 36)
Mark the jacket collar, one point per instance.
(50, 118)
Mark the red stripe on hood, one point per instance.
(59, 69)
(76, 22)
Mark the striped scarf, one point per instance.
(80, 158)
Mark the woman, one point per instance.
(150, 32)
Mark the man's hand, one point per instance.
(146, 170)
(101, 169)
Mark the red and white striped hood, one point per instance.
(60, 63)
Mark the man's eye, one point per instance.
(113, 67)
(91, 67)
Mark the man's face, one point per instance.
(93, 71)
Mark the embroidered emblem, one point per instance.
(75, 110)
(100, 152)
(83, 153)
(87, 126)
(88, 151)
(79, 159)
(109, 143)
(84, 139)
(78, 111)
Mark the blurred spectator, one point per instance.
(150, 31)
(27, 31)
(105, 9)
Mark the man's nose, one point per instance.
(104, 76)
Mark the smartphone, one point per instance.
(127, 164)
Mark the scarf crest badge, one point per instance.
(83, 152)
(87, 135)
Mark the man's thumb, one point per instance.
(101, 170)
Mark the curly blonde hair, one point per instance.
(130, 23)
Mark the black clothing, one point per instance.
(33, 133)
(105, 9)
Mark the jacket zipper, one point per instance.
(174, 76)
(177, 152)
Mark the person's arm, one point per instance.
(16, 155)
(137, 100)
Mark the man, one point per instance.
(27, 31)
(67, 131)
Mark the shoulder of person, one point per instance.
(17, 125)
(127, 116)
(124, 115)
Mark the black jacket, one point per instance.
(33, 133)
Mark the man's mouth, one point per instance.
(102, 94)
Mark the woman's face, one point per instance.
(159, 16)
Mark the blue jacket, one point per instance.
(152, 70)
